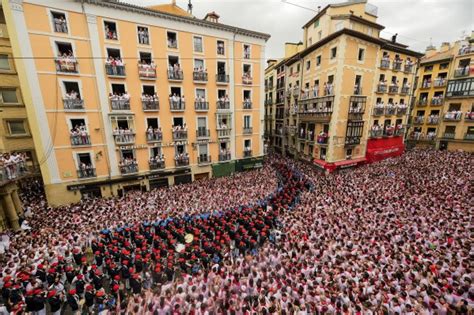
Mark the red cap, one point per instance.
(72, 291)
(51, 293)
(117, 277)
(99, 293)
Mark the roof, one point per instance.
(334, 5)
(177, 17)
(171, 9)
(213, 14)
(345, 31)
(358, 19)
(438, 57)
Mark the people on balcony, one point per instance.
(172, 43)
(224, 154)
(67, 62)
(398, 60)
(115, 66)
(60, 24)
(124, 135)
(375, 130)
(315, 90)
(157, 160)
(328, 88)
(200, 73)
(182, 158)
(247, 103)
(469, 115)
(222, 125)
(128, 165)
(386, 58)
(247, 77)
(398, 128)
(180, 132)
(220, 48)
(200, 102)
(401, 108)
(177, 102)
(146, 69)
(466, 49)
(247, 52)
(389, 129)
(12, 165)
(409, 63)
(439, 81)
(453, 115)
(322, 137)
(437, 100)
(150, 101)
(143, 36)
(86, 170)
(224, 101)
(79, 135)
(120, 101)
(426, 83)
(433, 119)
(154, 133)
(175, 71)
(110, 34)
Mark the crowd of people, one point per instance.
(180, 132)
(200, 74)
(175, 72)
(150, 102)
(154, 134)
(60, 24)
(393, 237)
(12, 165)
(177, 102)
(66, 62)
(115, 66)
(120, 101)
(453, 115)
(72, 100)
(123, 135)
(79, 135)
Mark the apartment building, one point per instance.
(270, 95)
(122, 97)
(347, 92)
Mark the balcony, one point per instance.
(385, 64)
(120, 104)
(86, 172)
(223, 133)
(128, 168)
(247, 130)
(115, 70)
(461, 72)
(222, 78)
(469, 117)
(175, 75)
(437, 101)
(181, 161)
(322, 139)
(379, 110)
(146, 71)
(405, 90)
(399, 131)
(381, 88)
(452, 116)
(204, 159)
(156, 164)
(201, 106)
(223, 105)
(449, 135)
(14, 171)
(179, 135)
(203, 133)
(422, 102)
(150, 105)
(247, 153)
(224, 157)
(465, 50)
(469, 136)
(393, 89)
(247, 105)
(247, 80)
(425, 85)
(418, 136)
(124, 137)
(376, 133)
(418, 120)
(408, 68)
(351, 141)
(177, 105)
(200, 76)
(66, 65)
(80, 140)
(439, 82)
(60, 25)
(432, 120)
(154, 136)
(397, 65)
(390, 110)
(73, 104)
(401, 111)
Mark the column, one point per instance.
(3, 225)
(17, 202)
(10, 212)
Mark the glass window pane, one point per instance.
(4, 64)
(16, 127)
(9, 96)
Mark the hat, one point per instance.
(72, 291)
(99, 293)
(51, 293)
(89, 287)
(117, 277)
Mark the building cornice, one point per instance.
(184, 19)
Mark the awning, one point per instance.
(380, 149)
(323, 164)
(349, 163)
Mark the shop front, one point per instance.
(384, 148)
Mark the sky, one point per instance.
(418, 23)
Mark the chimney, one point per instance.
(173, 2)
(430, 51)
(444, 47)
(394, 38)
(212, 17)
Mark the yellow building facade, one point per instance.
(125, 97)
(334, 84)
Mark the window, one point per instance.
(333, 52)
(247, 123)
(199, 64)
(308, 65)
(16, 127)
(428, 68)
(348, 153)
(339, 25)
(361, 55)
(444, 66)
(4, 62)
(318, 61)
(197, 44)
(246, 51)
(145, 58)
(59, 22)
(316, 23)
(172, 40)
(320, 34)
(143, 35)
(220, 47)
(64, 48)
(8, 96)
(110, 30)
(298, 68)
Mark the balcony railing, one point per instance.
(469, 116)
(203, 133)
(381, 88)
(223, 133)
(423, 102)
(177, 105)
(181, 161)
(390, 110)
(379, 110)
(247, 130)
(385, 63)
(418, 119)
(223, 105)
(246, 80)
(128, 169)
(200, 76)
(201, 106)
(68, 65)
(376, 133)
(155, 136)
(124, 138)
(120, 104)
(204, 159)
(175, 75)
(408, 68)
(397, 65)
(87, 172)
(405, 90)
(399, 131)
(73, 104)
(401, 111)
(468, 49)
(146, 71)
(114, 70)
(461, 72)
(449, 135)
(469, 136)
(179, 135)
(247, 153)
(247, 105)
(222, 78)
(452, 116)
(425, 85)
(80, 140)
(156, 165)
(150, 105)
(432, 120)
(352, 140)
(224, 157)
(13, 171)
(439, 82)
(436, 101)
(393, 89)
